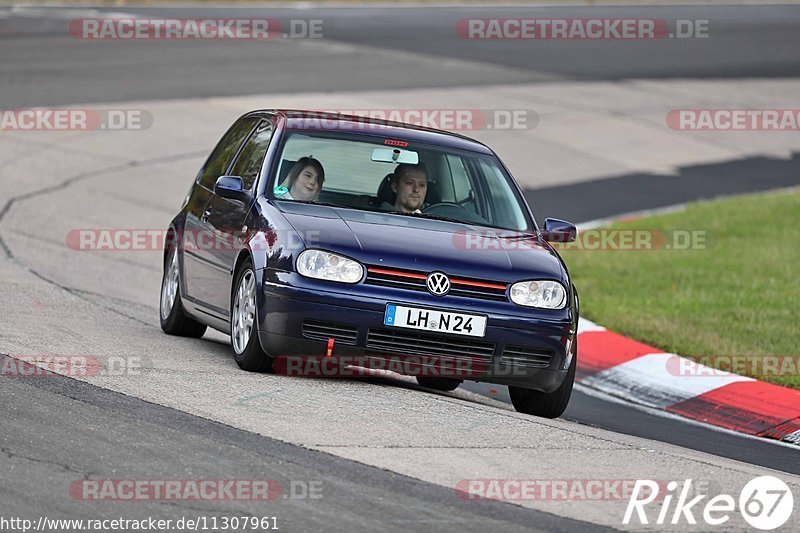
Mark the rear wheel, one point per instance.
(174, 321)
(440, 384)
(244, 326)
(546, 404)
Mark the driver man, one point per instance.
(409, 183)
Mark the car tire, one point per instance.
(440, 384)
(546, 404)
(247, 349)
(174, 320)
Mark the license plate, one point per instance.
(435, 321)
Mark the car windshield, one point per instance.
(359, 172)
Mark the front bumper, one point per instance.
(289, 301)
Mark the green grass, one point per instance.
(739, 296)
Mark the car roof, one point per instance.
(305, 120)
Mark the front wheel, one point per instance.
(247, 349)
(174, 321)
(546, 404)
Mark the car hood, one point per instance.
(396, 241)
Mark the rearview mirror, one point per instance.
(556, 230)
(395, 155)
(231, 187)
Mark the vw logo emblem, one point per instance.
(438, 283)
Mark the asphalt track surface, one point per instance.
(180, 446)
(41, 65)
(44, 65)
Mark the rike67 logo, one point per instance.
(766, 503)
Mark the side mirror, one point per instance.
(556, 230)
(231, 187)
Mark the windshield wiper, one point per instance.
(427, 215)
(518, 235)
(431, 216)
(441, 217)
(311, 202)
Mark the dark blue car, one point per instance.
(323, 235)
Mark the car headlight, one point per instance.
(319, 264)
(544, 294)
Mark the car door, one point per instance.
(226, 217)
(198, 272)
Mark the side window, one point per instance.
(225, 151)
(248, 165)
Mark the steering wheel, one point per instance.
(456, 211)
(442, 206)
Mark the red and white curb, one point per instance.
(644, 375)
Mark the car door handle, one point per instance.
(206, 214)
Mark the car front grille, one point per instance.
(314, 329)
(417, 281)
(526, 356)
(424, 344)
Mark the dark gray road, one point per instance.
(614, 416)
(43, 64)
(93, 433)
(636, 192)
